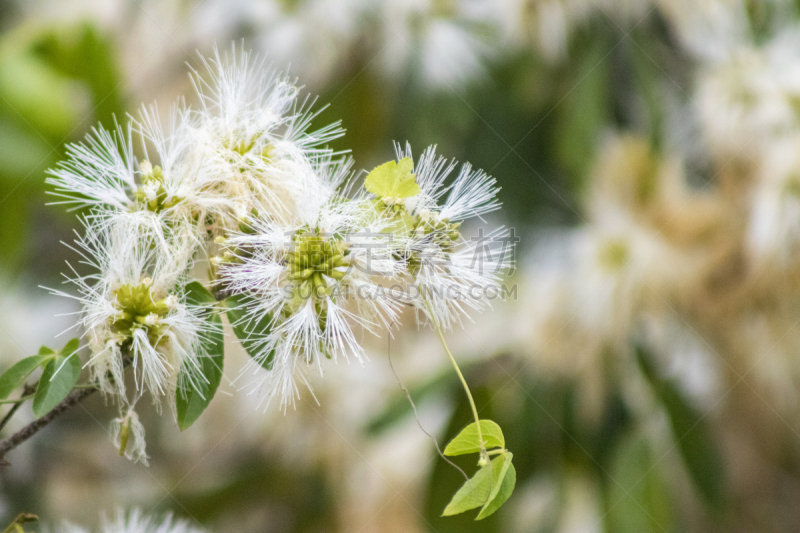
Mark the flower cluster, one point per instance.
(238, 208)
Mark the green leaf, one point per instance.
(244, 330)
(17, 374)
(502, 489)
(58, 379)
(475, 492)
(70, 348)
(638, 500)
(692, 433)
(467, 441)
(191, 401)
(393, 179)
(198, 295)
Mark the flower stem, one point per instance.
(438, 329)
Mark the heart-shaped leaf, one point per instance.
(467, 441)
(475, 492)
(502, 488)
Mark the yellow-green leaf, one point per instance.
(394, 179)
(467, 441)
(475, 492)
(502, 489)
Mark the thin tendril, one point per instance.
(414, 407)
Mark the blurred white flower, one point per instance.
(136, 521)
(751, 97)
(313, 37)
(774, 223)
(438, 44)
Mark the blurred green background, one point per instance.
(646, 374)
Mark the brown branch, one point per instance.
(72, 399)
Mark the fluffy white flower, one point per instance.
(451, 273)
(103, 174)
(134, 304)
(252, 137)
(299, 278)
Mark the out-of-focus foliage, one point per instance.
(646, 377)
(54, 82)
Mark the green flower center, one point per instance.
(152, 195)
(314, 256)
(138, 309)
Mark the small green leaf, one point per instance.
(393, 179)
(44, 350)
(58, 379)
(245, 331)
(70, 348)
(17, 374)
(502, 489)
(198, 295)
(467, 441)
(190, 401)
(475, 492)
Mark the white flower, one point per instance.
(773, 233)
(103, 174)
(137, 522)
(750, 98)
(252, 137)
(134, 305)
(99, 173)
(299, 278)
(444, 46)
(452, 274)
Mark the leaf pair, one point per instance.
(191, 401)
(493, 484)
(61, 372)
